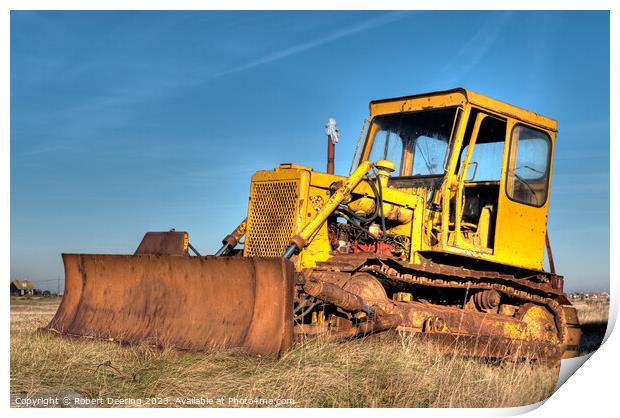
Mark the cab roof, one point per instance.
(459, 97)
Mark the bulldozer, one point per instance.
(438, 232)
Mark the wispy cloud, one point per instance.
(113, 107)
(330, 37)
(474, 49)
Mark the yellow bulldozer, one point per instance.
(438, 232)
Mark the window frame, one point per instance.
(547, 169)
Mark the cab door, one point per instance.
(524, 196)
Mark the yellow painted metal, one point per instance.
(540, 323)
(392, 212)
(511, 112)
(312, 201)
(519, 229)
(396, 212)
(484, 228)
(275, 210)
(403, 297)
(384, 169)
(294, 166)
(460, 183)
(318, 249)
(334, 200)
(459, 97)
(416, 103)
(514, 330)
(450, 183)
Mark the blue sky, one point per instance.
(125, 122)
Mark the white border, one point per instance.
(591, 392)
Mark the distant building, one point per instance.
(589, 297)
(22, 288)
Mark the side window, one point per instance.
(387, 145)
(527, 180)
(488, 156)
(488, 153)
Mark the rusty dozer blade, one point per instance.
(199, 303)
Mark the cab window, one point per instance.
(527, 178)
(388, 145)
(487, 156)
(417, 142)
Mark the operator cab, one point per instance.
(472, 158)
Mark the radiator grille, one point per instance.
(271, 217)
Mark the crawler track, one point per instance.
(536, 289)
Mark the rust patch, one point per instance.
(197, 303)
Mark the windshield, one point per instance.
(416, 142)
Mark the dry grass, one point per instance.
(365, 373)
(592, 312)
(593, 319)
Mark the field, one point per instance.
(593, 319)
(374, 372)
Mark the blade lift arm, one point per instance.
(301, 239)
(231, 240)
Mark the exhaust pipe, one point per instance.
(333, 136)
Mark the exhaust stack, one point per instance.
(333, 136)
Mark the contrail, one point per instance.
(341, 33)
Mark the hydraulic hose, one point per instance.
(300, 240)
